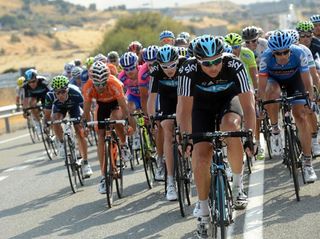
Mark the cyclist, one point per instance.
(214, 84)
(167, 37)
(35, 88)
(76, 76)
(181, 42)
(20, 91)
(184, 35)
(113, 58)
(285, 65)
(315, 80)
(136, 47)
(67, 69)
(315, 19)
(183, 52)
(69, 100)
(84, 74)
(164, 82)
(150, 57)
(104, 59)
(108, 92)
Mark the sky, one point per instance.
(103, 4)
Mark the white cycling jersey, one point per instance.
(308, 53)
(261, 47)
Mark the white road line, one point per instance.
(18, 168)
(12, 139)
(3, 177)
(253, 226)
(34, 160)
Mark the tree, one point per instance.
(93, 7)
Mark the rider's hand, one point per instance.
(249, 148)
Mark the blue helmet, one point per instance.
(227, 48)
(30, 74)
(167, 53)
(208, 46)
(315, 19)
(280, 40)
(128, 59)
(68, 67)
(150, 53)
(191, 46)
(166, 34)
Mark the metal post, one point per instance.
(7, 124)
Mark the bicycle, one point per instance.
(147, 148)
(113, 168)
(265, 127)
(292, 149)
(31, 123)
(220, 195)
(49, 142)
(72, 162)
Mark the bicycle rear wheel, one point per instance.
(267, 134)
(118, 170)
(108, 174)
(147, 162)
(70, 159)
(293, 161)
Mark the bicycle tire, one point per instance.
(69, 158)
(90, 137)
(212, 206)
(179, 173)
(293, 161)
(49, 145)
(221, 204)
(144, 156)
(31, 130)
(267, 134)
(108, 174)
(188, 178)
(249, 164)
(119, 167)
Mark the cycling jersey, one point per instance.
(144, 76)
(210, 92)
(166, 87)
(308, 54)
(72, 105)
(248, 59)
(315, 49)
(298, 62)
(113, 91)
(262, 45)
(131, 85)
(40, 91)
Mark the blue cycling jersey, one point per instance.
(298, 62)
(75, 99)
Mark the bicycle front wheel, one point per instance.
(70, 159)
(49, 144)
(147, 161)
(108, 174)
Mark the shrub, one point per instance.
(15, 38)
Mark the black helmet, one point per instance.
(250, 33)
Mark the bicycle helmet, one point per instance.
(59, 82)
(30, 74)
(250, 33)
(76, 72)
(180, 41)
(100, 57)
(207, 46)
(233, 39)
(128, 59)
(305, 26)
(167, 53)
(135, 47)
(113, 56)
(279, 40)
(182, 51)
(89, 61)
(191, 46)
(294, 34)
(150, 53)
(227, 48)
(68, 67)
(20, 81)
(99, 72)
(315, 18)
(184, 35)
(166, 34)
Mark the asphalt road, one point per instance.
(36, 202)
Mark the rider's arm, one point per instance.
(315, 76)
(144, 98)
(184, 113)
(86, 110)
(248, 106)
(305, 76)
(263, 76)
(253, 71)
(151, 108)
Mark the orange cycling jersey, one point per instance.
(113, 91)
(113, 69)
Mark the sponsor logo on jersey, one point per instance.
(187, 69)
(234, 64)
(263, 63)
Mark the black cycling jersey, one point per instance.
(166, 87)
(210, 92)
(40, 91)
(315, 48)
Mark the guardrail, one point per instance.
(7, 112)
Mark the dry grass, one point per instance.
(7, 96)
(16, 122)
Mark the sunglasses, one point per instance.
(32, 81)
(209, 63)
(131, 68)
(305, 35)
(166, 40)
(60, 92)
(251, 41)
(169, 66)
(281, 53)
(236, 47)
